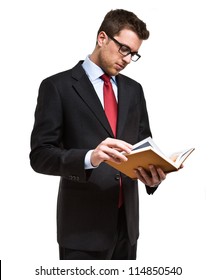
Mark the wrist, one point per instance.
(88, 164)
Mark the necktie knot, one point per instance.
(105, 78)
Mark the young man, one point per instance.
(73, 136)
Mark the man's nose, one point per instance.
(127, 58)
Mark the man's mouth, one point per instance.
(120, 66)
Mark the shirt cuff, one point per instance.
(87, 161)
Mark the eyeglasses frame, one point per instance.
(129, 52)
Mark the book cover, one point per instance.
(145, 153)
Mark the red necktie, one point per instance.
(110, 104)
(110, 107)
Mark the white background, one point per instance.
(43, 37)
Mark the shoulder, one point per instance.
(63, 82)
(74, 73)
(129, 81)
(125, 82)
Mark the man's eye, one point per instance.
(125, 49)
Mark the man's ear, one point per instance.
(102, 38)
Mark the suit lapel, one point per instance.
(86, 91)
(124, 98)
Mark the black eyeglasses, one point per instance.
(125, 50)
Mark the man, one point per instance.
(73, 136)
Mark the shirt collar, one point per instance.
(92, 70)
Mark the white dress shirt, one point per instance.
(94, 73)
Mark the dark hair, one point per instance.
(117, 20)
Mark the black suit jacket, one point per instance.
(69, 121)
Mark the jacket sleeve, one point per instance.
(48, 155)
(151, 190)
(145, 131)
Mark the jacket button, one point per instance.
(117, 177)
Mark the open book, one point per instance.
(146, 152)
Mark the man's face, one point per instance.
(109, 57)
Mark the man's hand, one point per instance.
(152, 180)
(110, 149)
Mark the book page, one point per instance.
(146, 143)
(180, 157)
